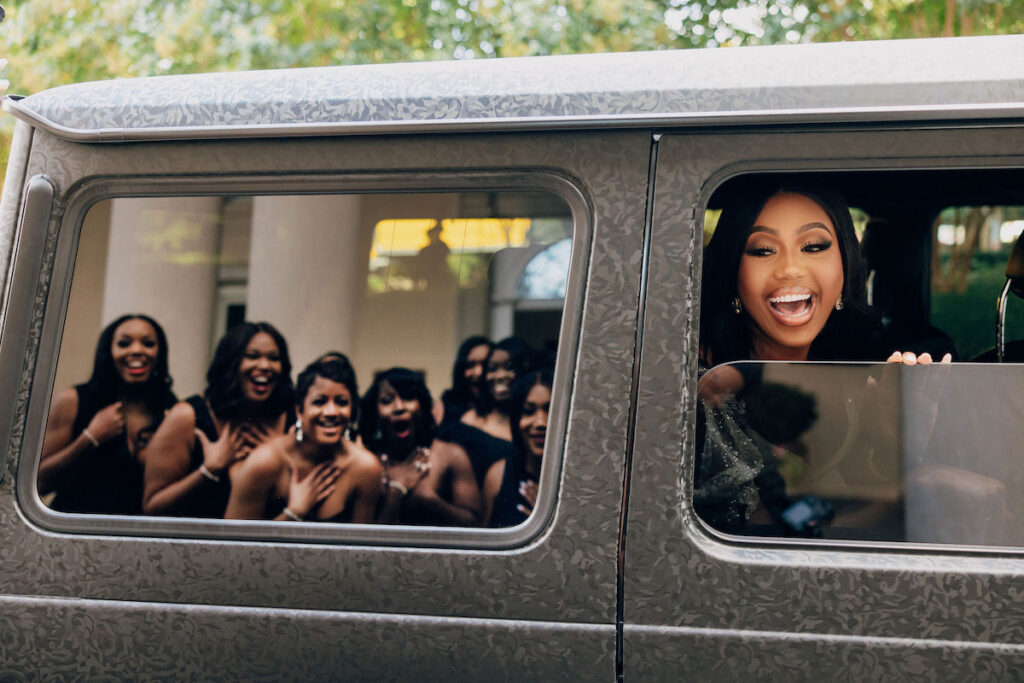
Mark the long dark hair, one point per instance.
(105, 380)
(224, 391)
(520, 390)
(409, 385)
(460, 390)
(726, 336)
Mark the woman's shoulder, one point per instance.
(70, 398)
(362, 460)
(65, 408)
(447, 454)
(180, 422)
(268, 459)
(180, 414)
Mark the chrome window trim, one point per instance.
(83, 196)
(939, 114)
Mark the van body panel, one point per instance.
(687, 586)
(877, 79)
(162, 641)
(666, 654)
(567, 573)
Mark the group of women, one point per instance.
(255, 445)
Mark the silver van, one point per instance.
(390, 211)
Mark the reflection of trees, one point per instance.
(954, 276)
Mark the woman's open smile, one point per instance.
(793, 306)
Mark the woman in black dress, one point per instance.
(96, 432)
(424, 483)
(314, 472)
(483, 431)
(510, 489)
(467, 379)
(247, 401)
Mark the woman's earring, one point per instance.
(298, 430)
(839, 304)
(348, 433)
(737, 305)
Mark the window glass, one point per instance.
(970, 248)
(404, 420)
(810, 282)
(862, 452)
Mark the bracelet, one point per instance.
(205, 471)
(398, 485)
(292, 516)
(92, 439)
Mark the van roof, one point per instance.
(900, 80)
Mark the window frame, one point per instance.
(58, 257)
(807, 167)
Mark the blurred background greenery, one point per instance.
(55, 42)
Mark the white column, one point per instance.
(161, 261)
(307, 271)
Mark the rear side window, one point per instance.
(378, 358)
(804, 431)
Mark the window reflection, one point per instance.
(861, 452)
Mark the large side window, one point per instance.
(811, 282)
(428, 323)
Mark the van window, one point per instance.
(803, 432)
(970, 248)
(385, 288)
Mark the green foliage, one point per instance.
(54, 42)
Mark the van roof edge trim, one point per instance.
(874, 114)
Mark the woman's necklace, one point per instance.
(420, 461)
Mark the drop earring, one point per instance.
(839, 303)
(737, 305)
(298, 430)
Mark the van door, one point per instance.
(873, 601)
(161, 596)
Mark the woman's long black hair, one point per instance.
(520, 390)
(727, 336)
(223, 389)
(459, 397)
(409, 385)
(105, 380)
(460, 390)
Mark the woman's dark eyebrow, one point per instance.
(813, 226)
(802, 230)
